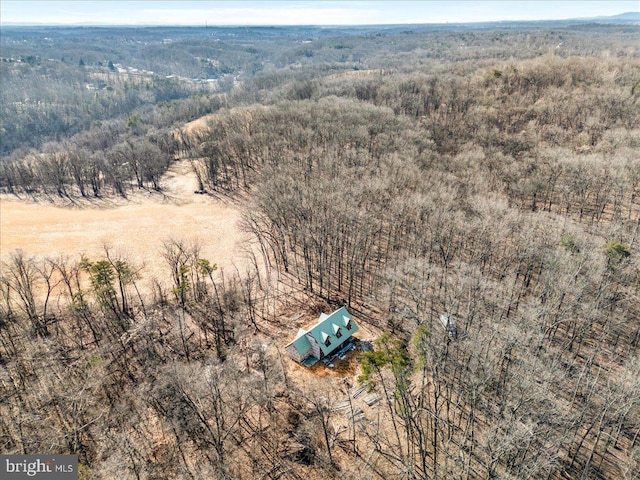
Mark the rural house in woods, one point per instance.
(325, 337)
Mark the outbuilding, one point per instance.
(449, 324)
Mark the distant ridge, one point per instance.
(627, 17)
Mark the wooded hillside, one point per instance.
(492, 176)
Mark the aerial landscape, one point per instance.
(348, 250)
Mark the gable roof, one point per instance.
(328, 326)
(301, 343)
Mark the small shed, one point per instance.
(449, 325)
(328, 335)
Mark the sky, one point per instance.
(301, 12)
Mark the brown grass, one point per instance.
(135, 227)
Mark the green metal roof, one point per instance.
(327, 327)
(301, 342)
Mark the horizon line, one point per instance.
(326, 25)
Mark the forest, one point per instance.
(485, 172)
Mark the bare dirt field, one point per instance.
(135, 227)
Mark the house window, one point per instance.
(338, 333)
(348, 325)
(327, 341)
